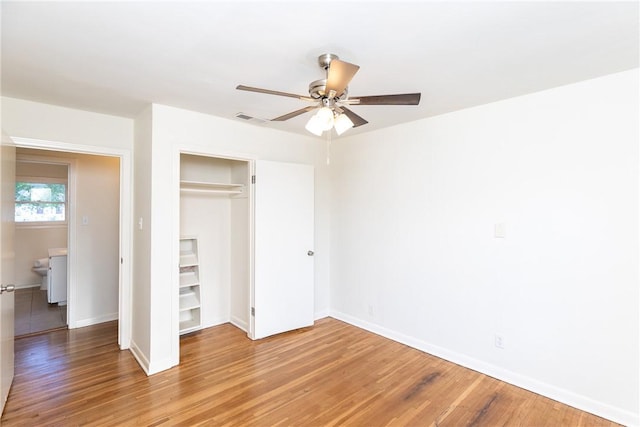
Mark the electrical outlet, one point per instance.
(371, 312)
(498, 340)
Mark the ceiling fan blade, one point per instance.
(338, 77)
(400, 99)
(274, 92)
(355, 119)
(294, 114)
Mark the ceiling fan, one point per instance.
(330, 97)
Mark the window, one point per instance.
(41, 202)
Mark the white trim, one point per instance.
(321, 314)
(126, 206)
(567, 397)
(217, 322)
(139, 356)
(239, 323)
(95, 320)
(72, 243)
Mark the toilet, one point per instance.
(41, 267)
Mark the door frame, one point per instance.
(199, 150)
(125, 223)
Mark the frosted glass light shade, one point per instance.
(314, 126)
(342, 123)
(325, 118)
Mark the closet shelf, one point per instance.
(188, 259)
(188, 278)
(190, 325)
(210, 187)
(188, 301)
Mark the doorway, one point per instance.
(41, 235)
(214, 242)
(87, 304)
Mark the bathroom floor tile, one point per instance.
(34, 314)
(22, 316)
(22, 328)
(22, 295)
(40, 298)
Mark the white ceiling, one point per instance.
(117, 57)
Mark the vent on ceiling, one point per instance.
(251, 119)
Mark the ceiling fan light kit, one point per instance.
(342, 123)
(325, 119)
(330, 97)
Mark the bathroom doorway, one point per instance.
(41, 231)
(91, 234)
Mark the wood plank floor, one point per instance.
(328, 375)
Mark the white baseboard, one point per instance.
(321, 314)
(139, 356)
(94, 320)
(148, 367)
(239, 323)
(215, 322)
(567, 397)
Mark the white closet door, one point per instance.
(283, 283)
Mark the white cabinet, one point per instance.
(57, 277)
(189, 288)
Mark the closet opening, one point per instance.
(215, 242)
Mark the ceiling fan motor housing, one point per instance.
(318, 88)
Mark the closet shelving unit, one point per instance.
(189, 285)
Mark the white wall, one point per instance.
(414, 257)
(174, 130)
(141, 287)
(97, 242)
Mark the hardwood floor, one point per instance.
(328, 375)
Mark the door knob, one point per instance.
(310, 253)
(7, 288)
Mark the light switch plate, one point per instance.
(500, 230)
